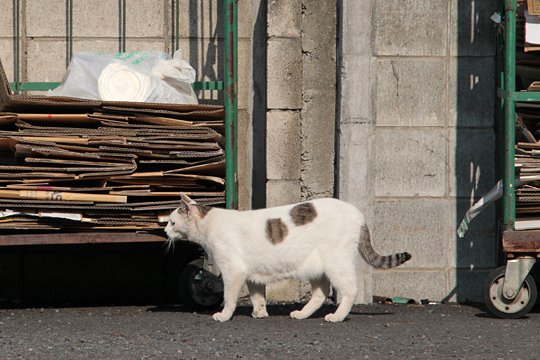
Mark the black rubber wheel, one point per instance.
(506, 308)
(196, 287)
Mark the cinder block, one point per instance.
(108, 46)
(422, 227)
(282, 192)
(284, 88)
(283, 145)
(318, 111)
(318, 129)
(46, 60)
(6, 51)
(283, 291)
(284, 18)
(244, 160)
(246, 23)
(46, 18)
(318, 26)
(356, 183)
(470, 92)
(205, 18)
(133, 44)
(416, 285)
(471, 30)
(144, 18)
(6, 18)
(472, 162)
(244, 73)
(96, 18)
(467, 285)
(401, 101)
(410, 27)
(410, 162)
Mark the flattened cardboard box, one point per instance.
(137, 156)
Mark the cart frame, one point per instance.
(510, 291)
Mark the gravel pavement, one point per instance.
(377, 331)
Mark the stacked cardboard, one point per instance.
(72, 164)
(527, 165)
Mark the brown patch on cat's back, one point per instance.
(303, 214)
(276, 230)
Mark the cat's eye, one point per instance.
(172, 223)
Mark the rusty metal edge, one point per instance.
(79, 238)
(521, 241)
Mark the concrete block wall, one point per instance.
(301, 93)
(432, 143)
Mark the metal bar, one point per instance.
(526, 241)
(525, 96)
(176, 25)
(208, 85)
(45, 86)
(122, 25)
(69, 31)
(16, 45)
(231, 102)
(79, 238)
(509, 204)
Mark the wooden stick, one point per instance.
(61, 196)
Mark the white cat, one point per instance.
(319, 240)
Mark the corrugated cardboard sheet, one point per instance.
(74, 164)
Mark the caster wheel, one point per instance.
(198, 288)
(506, 308)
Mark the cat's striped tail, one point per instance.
(376, 260)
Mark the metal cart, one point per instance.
(511, 291)
(197, 286)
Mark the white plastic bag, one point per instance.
(137, 76)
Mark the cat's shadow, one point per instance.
(273, 310)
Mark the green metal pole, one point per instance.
(509, 202)
(231, 103)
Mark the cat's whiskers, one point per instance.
(169, 244)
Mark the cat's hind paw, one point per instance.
(221, 317)
(333, 318)
(297, 314)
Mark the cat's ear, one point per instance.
(191, 209)
(186, 199)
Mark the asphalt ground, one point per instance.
(380, 331)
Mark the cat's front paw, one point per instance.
(221, 317)
(333, 318)
(259, 314)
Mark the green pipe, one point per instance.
(231, 103)
(509, 203)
